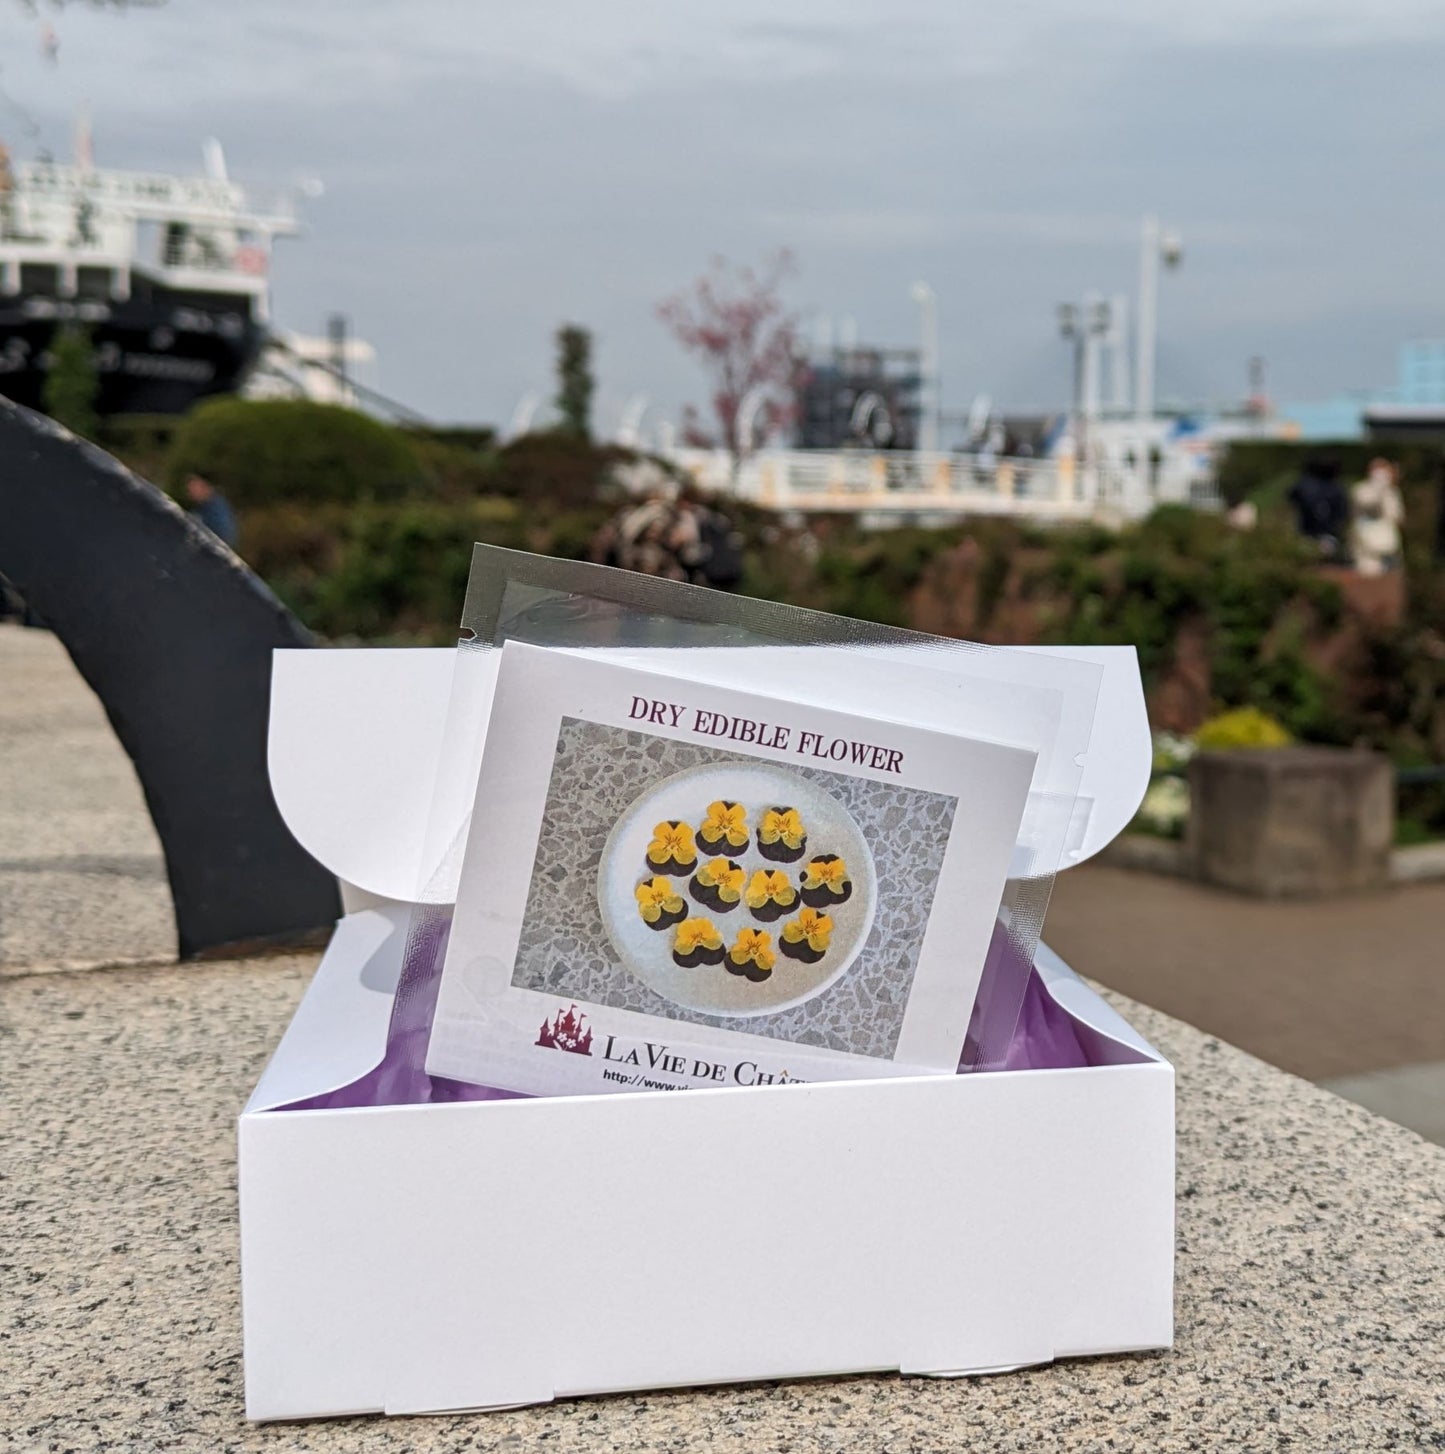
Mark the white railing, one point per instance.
(905, 483)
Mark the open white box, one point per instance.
(420, 1258)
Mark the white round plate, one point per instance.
(711, 988)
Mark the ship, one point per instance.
(168, 276)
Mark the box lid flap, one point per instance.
(356, 737)
(353, 744)
(339, 1030)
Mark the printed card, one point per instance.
(670, 883)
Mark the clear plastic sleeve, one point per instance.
(1022, 698)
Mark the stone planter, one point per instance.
(1291, 821)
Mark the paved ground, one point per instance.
(1310, 1310)
(1323, 988)
(1349, 992)
(82, 880)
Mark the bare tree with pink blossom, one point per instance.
(734, 320)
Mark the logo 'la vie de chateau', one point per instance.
(564, 1032)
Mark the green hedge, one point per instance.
(265, 452)
(394, 570)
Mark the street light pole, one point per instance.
(1118, 342)
(1086, 326)
(928, 390)
(1154, 247)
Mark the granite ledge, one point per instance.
(1310, 1294)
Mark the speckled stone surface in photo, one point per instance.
(564, 948)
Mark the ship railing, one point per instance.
(902, 483)
(274, 207)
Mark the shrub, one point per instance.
(561, 470)
(1243, 727)
(453, 471)
(264, 452)
(141, 442)
(870, 575)
(393, 570)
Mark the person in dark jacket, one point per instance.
(1321, 506)
(212, 509)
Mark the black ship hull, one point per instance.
(156, 352)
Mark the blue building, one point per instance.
(1422, 373)
(1420, 382)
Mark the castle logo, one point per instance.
(564, 1032)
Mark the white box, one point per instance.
(408, 1259)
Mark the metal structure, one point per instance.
(175, 637)
(862, 396)
(930, 386)
(1155, 247)
(1086, 326)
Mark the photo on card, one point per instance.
(678, 883)
(685, 879)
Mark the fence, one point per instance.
(907, 484)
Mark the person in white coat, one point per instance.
(1376, 514)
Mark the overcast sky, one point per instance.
(492, 169)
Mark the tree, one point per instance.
(73, 384)
(734, 321)
(574, 380)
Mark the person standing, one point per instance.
(212, 509)
(1321, 507)
(1377, 511)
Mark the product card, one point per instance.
(671, 883)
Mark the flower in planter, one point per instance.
(1165, 809)
(1243, 727)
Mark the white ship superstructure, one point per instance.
(169, 275)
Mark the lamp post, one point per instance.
(1156, 246)
(928, 392)
(1085, 325)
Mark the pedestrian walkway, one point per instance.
(1324, 988)
(1347, 991)
(82, 878)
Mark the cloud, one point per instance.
(492, 168)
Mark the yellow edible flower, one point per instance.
(755, 945)
(817, 874)
(812, 926)
(727, 878)
(694, 934)
(656, 897)
(672, 841)
(769, 884)
(782, 823)
(726, 820)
